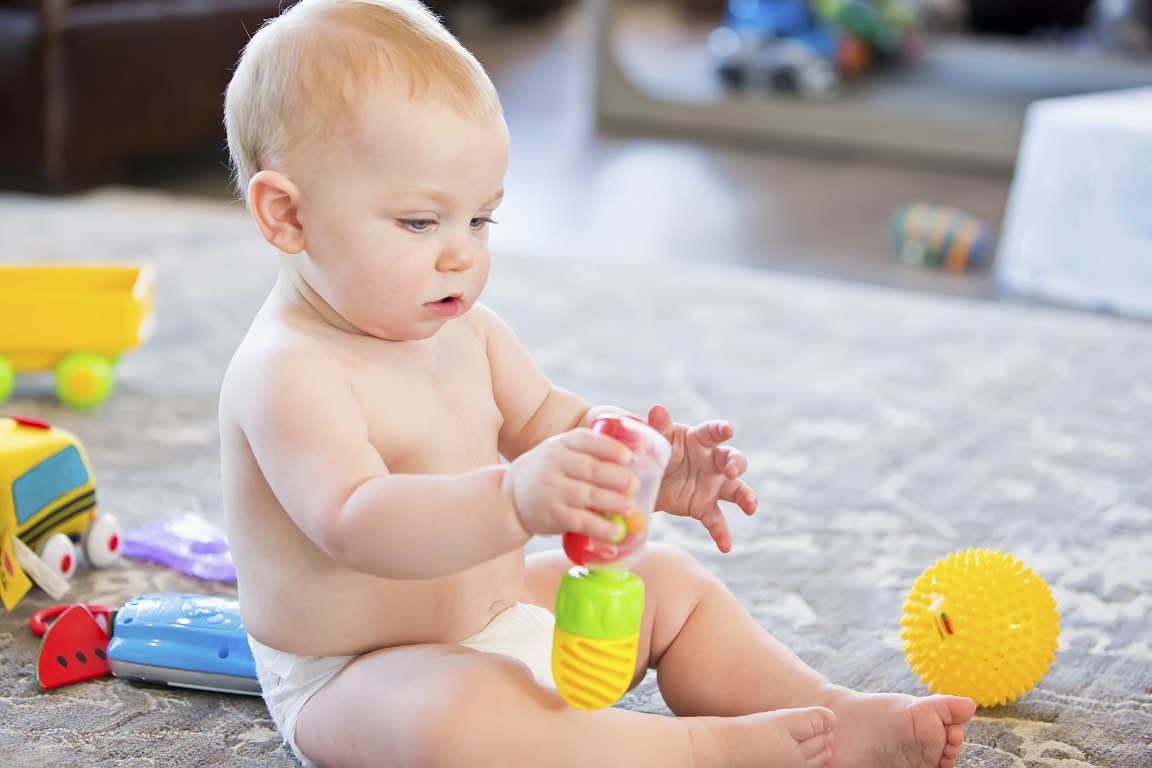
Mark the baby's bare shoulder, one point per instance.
(482, 319)
(276, 362)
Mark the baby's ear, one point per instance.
(274, 202)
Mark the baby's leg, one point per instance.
(444, 705)
(712, 658)
(710, 655)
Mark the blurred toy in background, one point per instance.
(980, 624)
(185, 541)
(779, 44)
(887, 30)
(811, 46)
(939, 236)
(47, 506)
(73, 320)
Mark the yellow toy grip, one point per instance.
(597, 636)
(593, 673)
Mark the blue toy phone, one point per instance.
(189, 641)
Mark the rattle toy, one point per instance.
(600, 602)
(980, 624)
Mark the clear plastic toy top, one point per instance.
(651, 453)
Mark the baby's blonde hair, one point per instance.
(300, 75)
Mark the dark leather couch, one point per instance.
(87, 86)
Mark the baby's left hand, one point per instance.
(701, 473)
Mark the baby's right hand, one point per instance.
(557, 485)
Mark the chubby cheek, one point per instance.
(478, 275)
(375, 290)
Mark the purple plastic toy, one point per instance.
(186, 542)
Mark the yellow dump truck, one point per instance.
(73, 320)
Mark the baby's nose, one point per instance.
(456, 256)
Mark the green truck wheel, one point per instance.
(7, 378)
(84, 380)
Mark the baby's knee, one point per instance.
(665, 560)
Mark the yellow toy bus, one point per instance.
(73, 320)
(48, 497)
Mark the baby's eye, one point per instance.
(418, 225)
(480, 222)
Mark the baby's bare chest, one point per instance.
(432, 415)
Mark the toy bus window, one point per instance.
(46, 482)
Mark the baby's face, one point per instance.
(396, 217)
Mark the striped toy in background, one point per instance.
(940, 237)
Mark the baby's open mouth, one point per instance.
(448, 306)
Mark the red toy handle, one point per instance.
(41, 620)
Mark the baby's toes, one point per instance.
(817, 751)
(806, 724)
(952, 746)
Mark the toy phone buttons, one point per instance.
(207, 611)
(200, 609)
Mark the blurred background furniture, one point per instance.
(1076, 225)
(961, 105)
(90, 86)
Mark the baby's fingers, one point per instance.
(585, 496)
(588, 523)
(711, 434)
(717, 527)
(739, 493)
(731, 462)
(594, 474)
(596, 446)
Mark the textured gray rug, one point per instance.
(885, 430)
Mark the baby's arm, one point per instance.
(702, 472)
(534, 409)
(310, 439)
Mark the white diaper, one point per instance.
(523, 632)
(288, 681)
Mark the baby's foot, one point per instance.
(889, 730)
(786, 738)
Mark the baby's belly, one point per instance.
(345, 613)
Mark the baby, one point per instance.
(389, 447)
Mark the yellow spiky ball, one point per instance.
(980, 624)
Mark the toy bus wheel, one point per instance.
(103, 541)
(84, 380)
(59, 554)
(7, 378)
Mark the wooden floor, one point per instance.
(576, 193)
